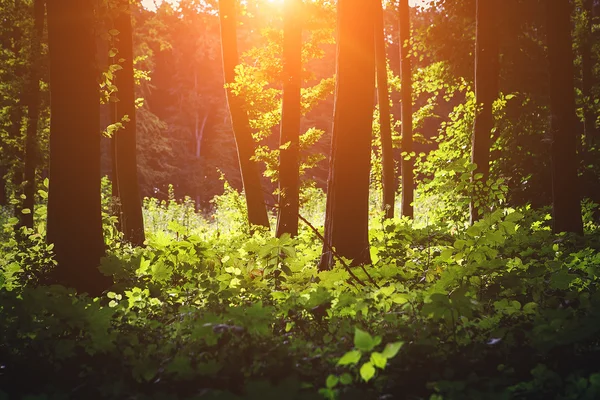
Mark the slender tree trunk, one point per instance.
(17, 110)
(33, 114)
(3, 197)
(408, 184)
(385, 128)
(347, 213)
(124, 141)
(74, 214)
(198, 135)
(587, 72)
(15, 132)
(486, 91)
(257, 211)
(566, 206)
(289, 172)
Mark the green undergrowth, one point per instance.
(499, 310)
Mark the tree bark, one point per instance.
(74, 213)
(131, 220)
(17, 111)
(385, 128)
(33, 114)
(257, 211)
(566, 206)
(289, 174)
(3, 197)
(486, 91)
(407, 165)
(346, 219)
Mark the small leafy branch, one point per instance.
(364, 344)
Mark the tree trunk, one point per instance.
(33, 114)
(74, 214)
(16, 110)
(486, 91)
(3, 197)
(385, 128)
(566, 206)
(407, 165)
(587, 76)
(257, 211)
(131, 220)
(347, 213)
(289, 173)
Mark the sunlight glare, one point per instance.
(152, 4)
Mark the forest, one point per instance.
(299, 199)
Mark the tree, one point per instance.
(33, 114)
(16, 109)
(346, 219)
(566, 207)
(289, 175)
(74, 216)
(407, 165)
(387, 157)
(486, 91)
(257, 211)
(125, 176)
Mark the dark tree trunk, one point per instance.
(257, 210)
(74, 213)
(486, 91)
(15, 132)
(3, 197)
(289, 175)
(387, 156)
(347, 219)
(587, 76)
(407, 165)
(566, 206)
(17, 111)
(125, 173)
(33, 114)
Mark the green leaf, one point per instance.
(391, 349)
(332, 381)
(459, 244)
(350, 358)
(446, 254)
(367, 371)
(363, 340)
(378, 360)
(346, 379)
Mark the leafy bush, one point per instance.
(502, 309)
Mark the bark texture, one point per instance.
(346, 220)
(566, 206)
(486, 91)
(385, 128)
(257, 211)
(289, 174)
(407, 165)
(125, 174)
(74, 216)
